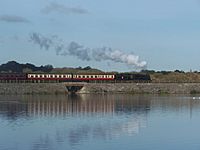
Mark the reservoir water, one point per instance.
(99, 122)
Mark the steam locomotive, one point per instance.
(122, 77)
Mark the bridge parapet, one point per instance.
(74, 87)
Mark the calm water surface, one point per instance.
(99, 122)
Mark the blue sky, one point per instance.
(163, 33)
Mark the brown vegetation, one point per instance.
(176, 77)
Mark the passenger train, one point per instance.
(70, 77)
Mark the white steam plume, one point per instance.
(118, 56)
(86, 54)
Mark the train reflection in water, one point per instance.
(83, 107)
(73, 104)
(55, 120)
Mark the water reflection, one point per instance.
(60, 122)
(79, 105)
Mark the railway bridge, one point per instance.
(74, 87)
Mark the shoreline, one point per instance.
(101, 88)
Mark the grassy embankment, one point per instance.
(176, 77)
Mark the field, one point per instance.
(175, 77)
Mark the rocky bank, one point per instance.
(132, 88)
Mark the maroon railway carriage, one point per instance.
(79, 77)
(13, 76)
(93, 77)
(71, 77)
(40, 76)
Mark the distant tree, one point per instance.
(27, 70)
(179, 71)
(14, 67)
(79, 67)
(148, 71)
(46, 68)
(87, 68)
(165, 72)
(11, 66)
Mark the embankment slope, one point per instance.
(132, 88)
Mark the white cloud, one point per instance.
(59, 8)
(13, 19)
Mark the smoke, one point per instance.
(42, 41)
(118, 56)
(86, 54)
(102, 54)
(75, 49)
